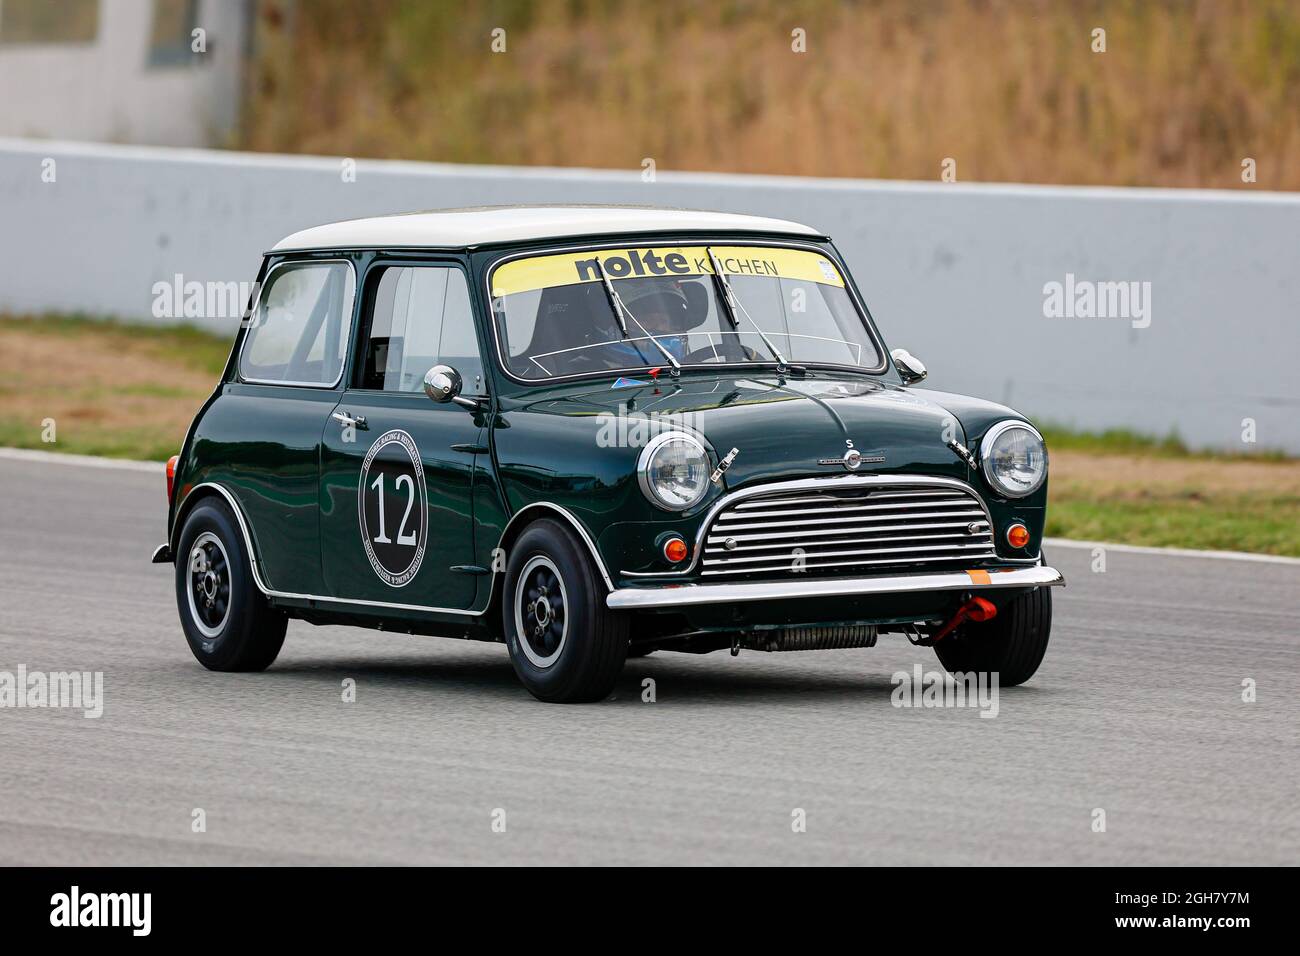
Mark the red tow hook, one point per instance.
(976, 609)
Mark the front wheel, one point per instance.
(1012, 644)
(565, 645)
(227, 621)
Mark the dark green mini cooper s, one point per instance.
(591, 433)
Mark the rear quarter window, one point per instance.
(299, 330)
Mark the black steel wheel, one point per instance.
(228, 623)
(565, 645)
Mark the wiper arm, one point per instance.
(724, 290)
(733, 304)
(615, 302)
(622, 314)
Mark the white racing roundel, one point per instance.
(393, 507)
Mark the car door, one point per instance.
(262, 435)
(397, 468)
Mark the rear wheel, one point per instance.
(1012, 644)
(565, 645)
(227, 622)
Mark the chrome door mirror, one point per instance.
(442, 383)
(909, 366)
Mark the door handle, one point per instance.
(344, 418)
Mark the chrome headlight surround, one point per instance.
(651, 484)
(988, 464)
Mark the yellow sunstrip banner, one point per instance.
(542, 272)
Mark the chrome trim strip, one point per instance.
(345, 332)
(782, 561)
(929, 561)
(722, 526)
(931, 532)
(760, 508)
(763, 539)
(864, 315)
(577, 526)
(820, 483)
(255, 564)
(692, 595)
(763, 511)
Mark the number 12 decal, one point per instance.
(407, 539)
(393, 457)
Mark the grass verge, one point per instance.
(1214, 503)
(103, 388)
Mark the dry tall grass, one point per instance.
(1012, 90)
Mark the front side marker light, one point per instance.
(675, 550)
(1017, 536)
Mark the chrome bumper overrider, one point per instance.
(684, 595)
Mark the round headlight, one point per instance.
(673, 471)
(1014, 458)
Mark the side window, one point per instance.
(299, 332)
(420, 316)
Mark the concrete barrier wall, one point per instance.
(955, 273)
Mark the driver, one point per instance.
(661, 308)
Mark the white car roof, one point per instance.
(458, 228)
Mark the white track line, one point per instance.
(124, 464)
(85, 461)
(1172, 552)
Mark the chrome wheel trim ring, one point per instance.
(209, 582)
(522, 601)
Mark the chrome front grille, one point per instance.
(816, 531)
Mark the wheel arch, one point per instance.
(208, 491)
(515, 527)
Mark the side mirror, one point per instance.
(909, 366)
(442, 383)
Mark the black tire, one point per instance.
(578, 654)
(227, 621)
(1012, 644)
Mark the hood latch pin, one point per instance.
(723, 465)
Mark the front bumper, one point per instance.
(694, 595)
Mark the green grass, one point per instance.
(1122, 441)
(116, 389)
(1137, 489)
(1261, 524)
(130, 443)
(191, 347)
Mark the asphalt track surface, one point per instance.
(1136, 711)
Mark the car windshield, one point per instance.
(557, 316)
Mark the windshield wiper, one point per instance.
(615, 302)
(622, 314)
(733, 304)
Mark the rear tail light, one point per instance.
(171, 475)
